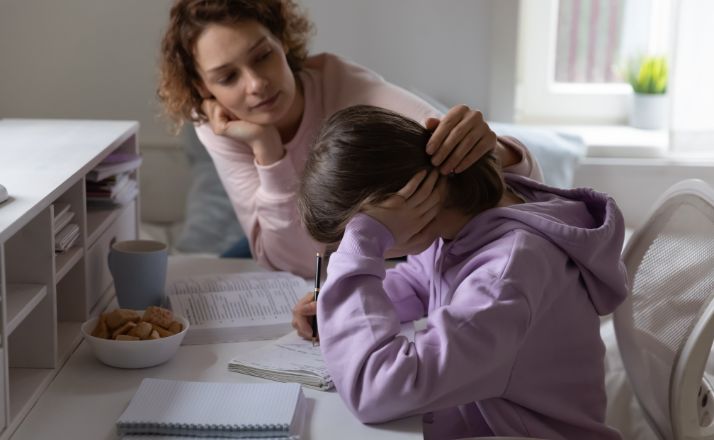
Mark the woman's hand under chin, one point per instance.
(264, 140)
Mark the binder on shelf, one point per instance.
(211, 409)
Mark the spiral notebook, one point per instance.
(216, 410)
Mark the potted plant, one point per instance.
(648, 77)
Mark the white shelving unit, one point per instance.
(44, 297)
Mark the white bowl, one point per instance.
(133, 354)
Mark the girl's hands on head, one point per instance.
(409, 214)
(263, 139)
(303, 313)
(460, 139)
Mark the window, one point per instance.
(570, 52)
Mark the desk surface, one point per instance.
(86, 397)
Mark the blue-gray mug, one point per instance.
(138, 268)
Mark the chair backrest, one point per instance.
(665, 328)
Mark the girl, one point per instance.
(239, 69)
(511, 274)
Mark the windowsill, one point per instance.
(622, 142)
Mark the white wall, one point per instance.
(636, 184)
(82, 59)
(439, 48)
(97, 58)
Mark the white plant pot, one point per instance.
(648, 111)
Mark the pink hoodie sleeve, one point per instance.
(464, 354)
(264, 199)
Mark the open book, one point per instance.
(236, 307)
(208, 409)
(293, 359)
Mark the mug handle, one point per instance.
(109, 252)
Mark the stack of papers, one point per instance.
(111, 181)
(66, 233)
(114, 164)
(288, 359)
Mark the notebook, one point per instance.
(210, 409)
(287, 359)
(293, 359)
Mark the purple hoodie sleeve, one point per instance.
(464, 354)
(407, 285)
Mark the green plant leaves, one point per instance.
(649, 75)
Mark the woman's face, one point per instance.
(245, 69)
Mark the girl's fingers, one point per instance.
(467, 144)
(471, 124)
(485, 145)
(408, 190)
(433, 200)
(425, 190)
(449, 121)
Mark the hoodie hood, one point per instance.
(587, 225)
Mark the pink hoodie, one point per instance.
(512, 344)
(264, 197)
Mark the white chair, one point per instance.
(665, 328)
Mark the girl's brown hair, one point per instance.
(366, 153)
(178, 78)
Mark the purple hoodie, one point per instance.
(512, 343)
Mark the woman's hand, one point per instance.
(264, 140)
(460, 139)
(303, 314)
(409, 213)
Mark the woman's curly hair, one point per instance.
(178, 77)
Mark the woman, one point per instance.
(239, 69)
(512, 276)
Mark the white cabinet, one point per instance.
(45, 297)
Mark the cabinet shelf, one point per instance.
(26, 385)
(66, 261)
(46, 296)
(68, 338)
(98, 220)
(21, 300)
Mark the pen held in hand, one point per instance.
(316, 292)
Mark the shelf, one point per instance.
(26, 385)
(45, 297)
(98, 220)
(66, 261)
(68, 338)
(21, 300)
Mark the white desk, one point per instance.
(87, 397)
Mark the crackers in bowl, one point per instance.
(135, 339)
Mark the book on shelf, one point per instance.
(108, 187)
(120, 195)
(236, 307)
(287, 359)
(115, 163)
(293, 359)
(65, 238)
(163, 407)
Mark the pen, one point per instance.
(318, 268)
